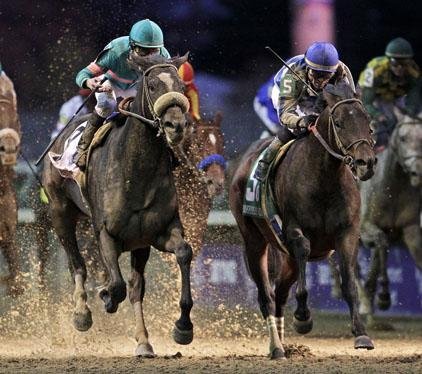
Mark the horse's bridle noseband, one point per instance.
(345, 156)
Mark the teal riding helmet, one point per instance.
(146, 34)
(399, 48)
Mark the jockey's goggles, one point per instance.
(142, 51)
(320, 75)
(399, 62)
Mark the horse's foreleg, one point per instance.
(347, 247)
(65, 226)
(115, 292)
(300, 246)
(138, 260)
(173, 242)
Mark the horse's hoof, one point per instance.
(82, 321)
(384, 301)
(183, 337)
(109, 305)
(145, 351)
(363, 342)
(303, 327)
(277, 354)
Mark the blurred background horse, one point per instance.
(391, 208)
(9, 148)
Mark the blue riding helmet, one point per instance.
(322, 56)
(146, 34)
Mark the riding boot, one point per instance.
(94, 122)
(268, 156)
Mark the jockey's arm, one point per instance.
(287, 114)
(94, 69)
(413, 99)
(368, 99)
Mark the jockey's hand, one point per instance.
(305, 121)
(95, 82)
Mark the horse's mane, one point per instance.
(341, 90)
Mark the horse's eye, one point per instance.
(337, 124)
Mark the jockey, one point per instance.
(70, 107)
(187, 75)
(388, 82)
(145, 38)
(295, 102)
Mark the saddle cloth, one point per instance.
(64, 162)
(259, 199)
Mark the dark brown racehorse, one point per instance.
(199, 177)
(132, 199)
(318, 201)
(9, 148)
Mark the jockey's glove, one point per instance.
(305, 121)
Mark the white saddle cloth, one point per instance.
(64, 162)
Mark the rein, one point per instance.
(156, 121)
(344, 156)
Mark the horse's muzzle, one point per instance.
(365, 169)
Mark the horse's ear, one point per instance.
(142, 63)
(330, 94)
(358, 92)
(179, 60)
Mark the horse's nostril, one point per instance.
(360, 162)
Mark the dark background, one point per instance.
(44, 43)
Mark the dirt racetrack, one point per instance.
(226, 341)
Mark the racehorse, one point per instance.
(199, 177)
(132, 198)
(391, 208)
(318, 201)
(9, 148)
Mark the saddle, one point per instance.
(64, 162)
(259, 201)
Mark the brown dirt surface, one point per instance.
(37, 336)
(226, 341)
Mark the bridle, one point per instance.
(345, 155)
(146, 96)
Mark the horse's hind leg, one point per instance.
(384, 298)
(115, 292)
(282, 288)
(173, 242)
(138, 260)
(64, 221)
(347, 246)
(300, 246)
